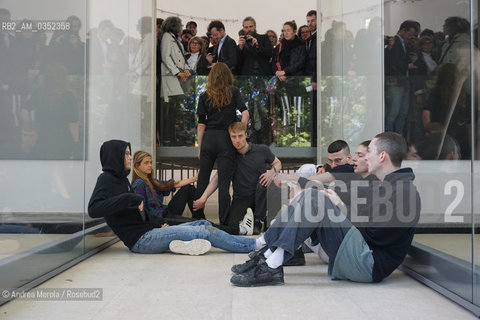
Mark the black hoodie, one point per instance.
(113, 198)
(291, 57)
(391, 240)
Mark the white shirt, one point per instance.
(193, 60)
(220, 45)
(431, 64)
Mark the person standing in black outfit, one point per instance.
(255, 51)
(311, 68)
(217, 109)
(288, 62)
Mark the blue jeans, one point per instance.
(397, 108)
(157, 240)
(306, 214)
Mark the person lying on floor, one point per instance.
(142, 232)
(365, 252)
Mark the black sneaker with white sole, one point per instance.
(260, 275)
(254, 256)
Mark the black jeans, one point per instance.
(182, 197)
(257, 202)
(216, 145)
(176, 206)
(308, 213)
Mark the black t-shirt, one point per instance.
(249, 168)
(215, 118)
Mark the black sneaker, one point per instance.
(255, 257)
(298, 259)
(260, 275)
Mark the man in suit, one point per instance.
(255, 50)
(311, 68)
(397, 66)
(98, 46)
(226, 50)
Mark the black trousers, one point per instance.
(217, 146)
(257, 202)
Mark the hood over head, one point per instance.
(112, 157)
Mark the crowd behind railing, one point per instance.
(427, 80)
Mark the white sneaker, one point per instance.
(247, 222)
(194, 247)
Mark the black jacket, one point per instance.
(311, 63)
(228, 54)
(256, 60)
(390, 240)
(114, 200)
(292, 57)
(202, 66)
(396, 62)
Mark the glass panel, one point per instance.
(280, 116)
(424, 92)
(428, 100)
(351, 81)
(66, 86)
(42, 137)
(120, 72)
(476, 163)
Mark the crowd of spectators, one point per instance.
(427, 77)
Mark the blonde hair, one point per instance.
(237, 126)
(219, 85)
(152, 184)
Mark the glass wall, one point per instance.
(282, 113)
(73, 74)
(408, 66)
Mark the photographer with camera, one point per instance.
(255, 50)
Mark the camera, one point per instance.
(247, 37)
(386, 41)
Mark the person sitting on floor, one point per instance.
(367, 252)
(142, 232)
(153, 192)
(250, 178)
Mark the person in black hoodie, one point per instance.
(114, 200)
(288, 63)
(367, 251)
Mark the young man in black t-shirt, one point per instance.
(250, 179)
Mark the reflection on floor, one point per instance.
(15, 243)
(457, 245)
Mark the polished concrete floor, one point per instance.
(169, 286)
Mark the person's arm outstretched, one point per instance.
(212, 186)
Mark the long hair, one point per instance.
(219, 86)
(172, 24)
(151, 183)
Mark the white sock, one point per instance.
(267, 253)
(242, 231)
(276, 259)
(259, 242)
